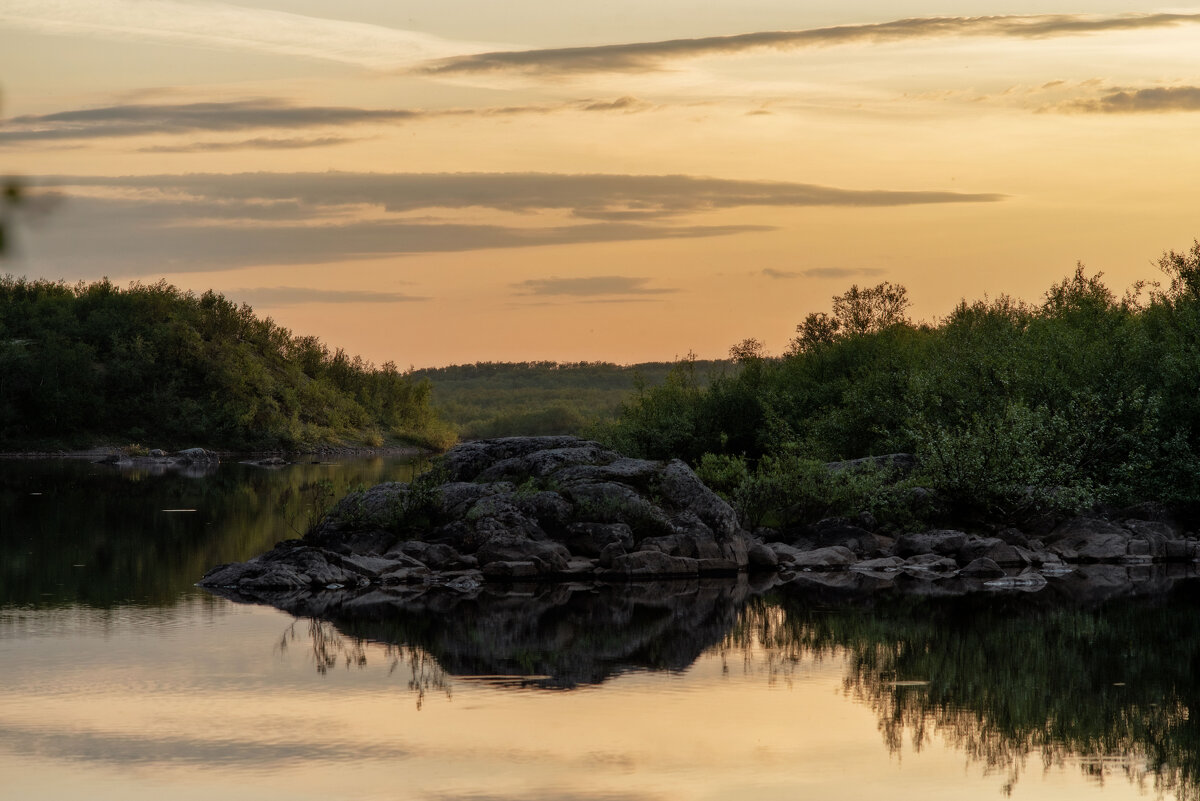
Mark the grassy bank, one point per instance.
(497, 399)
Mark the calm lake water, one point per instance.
(123, 681)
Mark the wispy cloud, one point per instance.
(127, 225)
(643, 56)
(142, 119)
(592, 286)
(291, 295)
(820, 272)
(588, 195)
(840, 272)
(771, 272)
(259, 143)
(130, 246)
(223, 26)
(1134, 101)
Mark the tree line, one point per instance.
(1011, 408)
(86, 362)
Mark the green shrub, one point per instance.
(723, 473)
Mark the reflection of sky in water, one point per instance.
(175, 693)
(217, 700)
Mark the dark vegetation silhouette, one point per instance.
(1013, 410)
(84, 363)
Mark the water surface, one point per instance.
(126, 682)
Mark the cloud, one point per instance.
(292, 295)
(261, 143)
(643, 56)
(1133, 101)
(143, 119)
(820, 272)
(840, 272)
(222, 26)
(588, 195)
(590, 287)
(626, 103)
(137, 225)
(131, 246)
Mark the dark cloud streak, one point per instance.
(643, 56)
(260, 143)
(172, 223)
(85, 247)
(181, 118)
(595, 196)
(1140, 101)
(292, 295)
(590, 286)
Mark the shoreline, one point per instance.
(103, 452)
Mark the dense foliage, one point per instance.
(85, 362)
(1012, 409)
(498, 399)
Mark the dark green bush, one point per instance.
(1013, 409)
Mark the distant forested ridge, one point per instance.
(83, 363)
(494, 399)
(1011, 409)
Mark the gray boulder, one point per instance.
(589, 539)
(835, 557)
(945, 542)
(653, 563)
(548, 557)
(1088, 539)
(995, 550)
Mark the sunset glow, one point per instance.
(435, 183)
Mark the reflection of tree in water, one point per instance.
(1112, 688)
(56, 515)
(331, 648)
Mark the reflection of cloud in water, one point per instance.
(111, 748)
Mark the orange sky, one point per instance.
(433, 183)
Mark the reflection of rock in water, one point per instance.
(559, 635)
(1099, 669)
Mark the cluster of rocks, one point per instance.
(189, 461)
(565, 509)
(840, 543)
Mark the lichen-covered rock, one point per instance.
(525, 508)
(1089, 539)
(940, 541)
(835, 557)
(653, 563)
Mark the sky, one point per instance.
(446, 182)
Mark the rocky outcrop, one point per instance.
(563, 509)
(515, 509)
